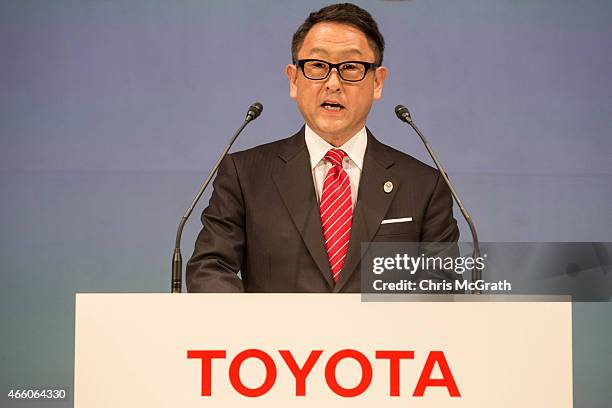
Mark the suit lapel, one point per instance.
(296, 187)
(372, 204)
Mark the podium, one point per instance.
(298, 350)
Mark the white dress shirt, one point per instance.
(355, 149)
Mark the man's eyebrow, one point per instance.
(319, 50)
(352, 50)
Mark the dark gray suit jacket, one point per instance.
(263, 219)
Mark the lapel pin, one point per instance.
(388, 187)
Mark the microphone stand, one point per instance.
(404, 115)
(177, 260)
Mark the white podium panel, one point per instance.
(297, 350)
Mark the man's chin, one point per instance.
(333, 134)
(332, 125)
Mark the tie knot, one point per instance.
(335, 156)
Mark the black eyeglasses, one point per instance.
(350, 71)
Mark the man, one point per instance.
(291, 215)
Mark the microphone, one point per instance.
(254, 111)
(177, 260)
(403, 114)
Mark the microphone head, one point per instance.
(403, 113)
(254, 111)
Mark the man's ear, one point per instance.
(379, 80)
(291, 73)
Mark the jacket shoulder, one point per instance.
(268, 151)
(260, 149)
(404, 162)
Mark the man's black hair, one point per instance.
(345, 13)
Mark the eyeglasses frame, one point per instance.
(367, 65)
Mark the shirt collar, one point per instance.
(355, 147)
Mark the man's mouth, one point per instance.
(332, 106)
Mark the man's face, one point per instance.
(335, 42)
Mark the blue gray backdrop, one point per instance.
(112, 112)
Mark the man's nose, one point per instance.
(333, 81)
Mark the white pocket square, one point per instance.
(395, 220)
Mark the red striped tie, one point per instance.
(336, 211)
